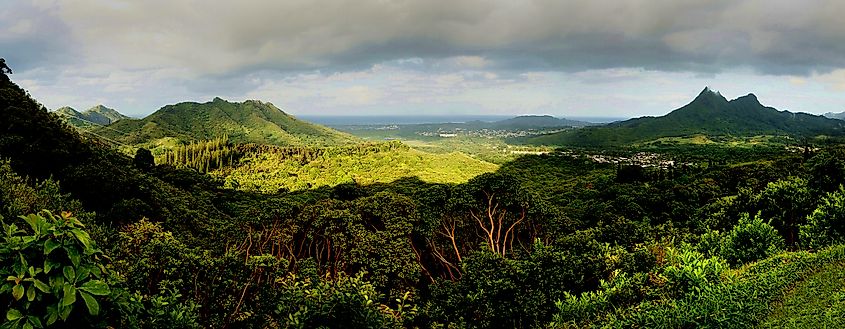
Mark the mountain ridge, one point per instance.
(709, 113)
(98, 114)
(835, 115)
(251, 121)
(538, 121)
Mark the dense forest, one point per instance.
(717, 238)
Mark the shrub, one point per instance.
(690, 271)
(750, 240)
(710, 243)
(826, 225)
(342, 302)
(54, 274)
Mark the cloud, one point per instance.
(226, 37)
(376, 55)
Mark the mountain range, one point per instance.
(835, 115)
(251, 121)
(99, 115)
(536, 122)
(709, 114)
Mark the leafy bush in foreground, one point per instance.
(826, 225)
(54, 274)
(750, 240)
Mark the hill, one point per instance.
(99, 115)
(103, 115)
(251, 121)
(537, 121)
(708, 114)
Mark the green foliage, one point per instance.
(271, 169)
(787, 202)
(168, 309)
(826, 225)
(826, 171)
(342, 302)
(750, 240)
(22, 196)
(54, 272)
(621, 289)
(689, 271)
(202, 156)
(495, 291)
(739, 303)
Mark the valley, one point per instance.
(703, 217)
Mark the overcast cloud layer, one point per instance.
(567, 58)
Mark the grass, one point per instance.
(817, 302)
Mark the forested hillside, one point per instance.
(268, 168)
(712, 238)
(708, 114)
(247, 122)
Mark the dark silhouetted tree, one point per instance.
(144, 159)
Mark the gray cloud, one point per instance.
(33, 37)
(223, 37)
(377, 56)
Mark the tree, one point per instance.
(826, 225)
(144, 159)
(827, 171)
(787, 202)
(500, 206)
(750, 240)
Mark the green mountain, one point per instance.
(247, 122)
(708, 114)
(104, 115)
(99, 115)
(537, 121)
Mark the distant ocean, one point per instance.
(340, 120)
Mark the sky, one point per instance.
(620, 58)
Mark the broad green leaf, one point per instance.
(32, 220)
(69, 296)
(35, 321)
(49, 265)
(70, 273)
(82, 274)
(73, 254)
(51, 245)
(82, 237)
(41, 286)
(91, 303)
(30, 293)
(17, 291)
(13, 315)
(65, 313)
(52, 315)
(23, 264)
(95, 287)
(27, 325)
